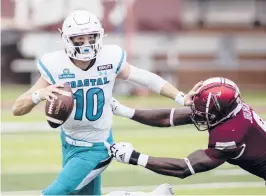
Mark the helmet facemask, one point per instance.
(205, 118)
(199, 119)
(78, 49)
(201, 116)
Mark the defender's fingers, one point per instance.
(114, 99)
(114, 158)
(106, 144)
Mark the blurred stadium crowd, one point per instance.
(184, 41)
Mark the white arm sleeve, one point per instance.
(146, 79)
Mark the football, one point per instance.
(57, 112)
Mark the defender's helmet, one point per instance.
(218, 100)
(82, 22)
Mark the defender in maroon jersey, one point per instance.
(237, 135)
(240, 141)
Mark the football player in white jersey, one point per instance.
(90, 68)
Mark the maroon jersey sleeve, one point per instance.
(226, 143)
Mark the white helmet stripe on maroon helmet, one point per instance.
(218, 99)
(208, 106)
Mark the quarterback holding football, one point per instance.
(237, 134)
(90, 68)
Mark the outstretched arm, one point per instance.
(154, 117)
(196, 162)
(163, 117)
(156, 84)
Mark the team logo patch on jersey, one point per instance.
(66, 74)
(105, 67)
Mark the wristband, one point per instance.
(172, 117)
(189, 166)
(127, 112)
(138, 159)
(134, 158)
(180, 98)
(143, 160)
(35, 97)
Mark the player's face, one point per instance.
(86, 44)
(84, 39)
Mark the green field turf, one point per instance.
(31, 160)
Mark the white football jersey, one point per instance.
(91, 118)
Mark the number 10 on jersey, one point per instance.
(90, 102)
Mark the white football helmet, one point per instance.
(82, 22)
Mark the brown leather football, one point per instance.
(57, 112)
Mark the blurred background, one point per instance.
(184, 41)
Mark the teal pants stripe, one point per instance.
(93, 188)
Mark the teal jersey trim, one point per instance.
(120, 62)
(46, 71)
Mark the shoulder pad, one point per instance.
(117, 55)
(226, 139)
(47, 63)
